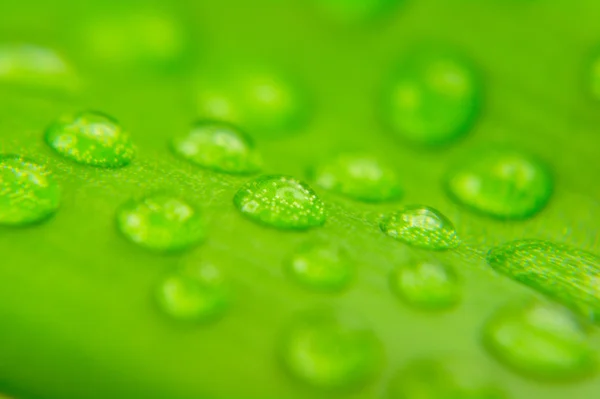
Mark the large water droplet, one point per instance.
(161, 222)
(28, 193)
(566, 274)
(427, 285)
(320, 266)
(442, 379)
(355, 11)
(29, 65)
(195, 292)
(218, 146)
(540, 340)
(361, 177)
(331, 350)
(91, 138)
(433, 98)
(281, 202)
(422, 227)
(265, 103)
(141, 39)
(503, 184)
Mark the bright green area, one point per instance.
(77, 299)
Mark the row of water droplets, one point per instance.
(431, 100)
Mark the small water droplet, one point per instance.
(265, 103)
(427, 285)
(140, 39)
(29, 65)
(320, 266)
(358, 176)
(218, 146)
(28, 192)
(540, 340)
(161, 222)
(331, 350)
(281, 202)
(433, 98)
(567, 275)
(442, 379)
(422, 227)
(356, 11)
(91, 138)
(193, 293)
(503, 184)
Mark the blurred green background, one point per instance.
(77, 318)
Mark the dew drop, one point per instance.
(282, 202)
(502, 184)
(330, 350)
(194, 293)
(361, 177)
(218, 146)
(35, 66)
(442, 379)
(91, 138)
(421, 227)
(432, 99)
(540, 340)
(426, 285)
(161, 222)
(567, 275)
(320, 266)
(28, 192)
(267, 104)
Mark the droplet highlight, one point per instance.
(331, 351)
(266, 103)
(433, 98)
(568, 275)
(28, 192)
(35, 66)
(193, 293)
(220, 147)
(540, 340)
(320, 266)
(426, 285)
(91, 138)
(358, 176)
(161, 222)
(282, 202)
(421, 227)
(502, 184)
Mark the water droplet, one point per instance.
(361, 177)
(28, 193)
(140, 39)
(265, 103)
(422, 227)
(442, 379)
(433, 98)
(331, 350)
(29, 65)
(567, 275)
(91, 138)
(355, 11)
(281, 202)
(540, 340)
(320, 266)
(218, 146)
(161, 222)
(427, 285)
(193, 293)
(503, 184)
